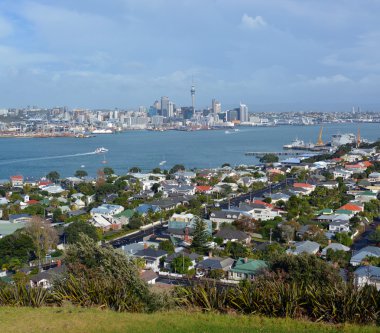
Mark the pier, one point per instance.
(280, 153)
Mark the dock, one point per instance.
(280, 153)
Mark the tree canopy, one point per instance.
(74, 230)
(53, 176)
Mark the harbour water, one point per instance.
(146, 149)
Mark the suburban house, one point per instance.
(339, 226)
(232, 235)
(334, 247)
(224, 216)
(308, 188)
(192, 256)
(107, 210)
(341, 173)
(17, 181)
(259, 211)
(20, 218)
(367, 275)
(361, 255)
(304, 247)
(152, 258)
(149, 276)
(44, 279)
(182, 225)
(245, 268)
(212, 263)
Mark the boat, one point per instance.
(102, 131)
(162, 162)
(236, 130)
(101, 150)
(227, 132)
(82, 166)
(295, 144)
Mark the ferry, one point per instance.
(102, 131)
(101, 150)
(162, 162)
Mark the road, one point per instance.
(137, 237)
(234, 202)
(363, 239)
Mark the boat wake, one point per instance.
(45, 158)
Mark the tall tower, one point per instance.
(192, 91)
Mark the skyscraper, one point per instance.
(164, 106)
(243, 113)
(170, 109)
(216, 106)
(192, 91)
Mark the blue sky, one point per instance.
(270, 54)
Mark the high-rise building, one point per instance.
(170, 109)
(164, 106)
(243, 113)
(216, 106)
(192, 92)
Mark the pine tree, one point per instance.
(200, 234)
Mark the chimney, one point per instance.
(329, 241)
(145, 246)
(210, 254)
(59, 263)
(245, 259)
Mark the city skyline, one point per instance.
(270, 55)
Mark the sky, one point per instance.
(269, 54)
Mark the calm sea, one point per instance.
(146, 149)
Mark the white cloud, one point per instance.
(5, 27)
(338, 78)
(248, 22)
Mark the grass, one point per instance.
(77, 320)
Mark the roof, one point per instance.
(368, 271)
(126, 213)
(244, 265)
(148, 275)
(335, 247)
(17, 177)
(216, 263)
(344, 211)
(228, 233)
(305, 247)
(204, 188)
(304, 185)
(152, 253)
(351, 207)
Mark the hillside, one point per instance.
(75, 320)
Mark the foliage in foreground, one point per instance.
(274, 297)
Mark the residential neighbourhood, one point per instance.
(216, 223)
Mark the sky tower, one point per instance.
(192, 91)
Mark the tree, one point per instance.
(343, 238)
(216, 274)
(340, 257)
(43, 235)
(108, 171)
(236, 250)
(53, 176)
(181, 264)
(226, 165)
(105, 277)
(305, 269)
(167, 246)
(177, 167)
(81, 173)
(156, 170)
(269, 158)
(155, 187)
(18, 245)
(375, 236)
(200, 234)
(135, 169)
(73, 231)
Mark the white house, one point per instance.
(368, 251)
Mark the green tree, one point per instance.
(177, 167)
(181, 264)
(53, 176)
(236, 250)
(375, 236)
(167, 246)
(155, 187)
(156, 170)
(108, 171)
(135, 169)
(200, 235)
(269, 158)
(216, 274)
(340, 257)
(73, 231)
(81, 173)
(343, 238)
(305, 269)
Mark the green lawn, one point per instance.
(70, 319)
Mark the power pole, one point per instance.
(270, 235)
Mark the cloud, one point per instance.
(334, 79)
(6, 27)
(248, 22)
